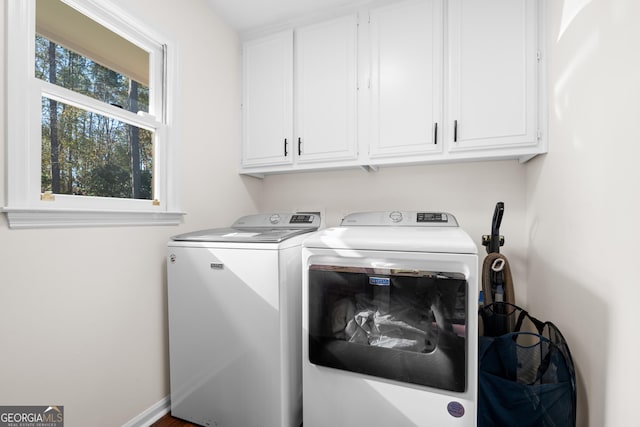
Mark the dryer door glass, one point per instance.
(404, 325)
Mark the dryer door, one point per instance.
(392, 319)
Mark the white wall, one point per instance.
(584, 203)
(83, 311)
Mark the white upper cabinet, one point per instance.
(406, 62)
(268, 101)
(407, 81)
(326, 91)
(492, 75)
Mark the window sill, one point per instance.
(72, 218)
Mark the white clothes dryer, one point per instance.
(235, 322)
(390, 322)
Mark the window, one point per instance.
(89, 121)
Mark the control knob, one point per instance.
(274, 219)
(395, 216)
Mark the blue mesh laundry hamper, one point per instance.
(526, 376)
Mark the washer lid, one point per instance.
(260, 228)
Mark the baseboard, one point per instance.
(151, 414)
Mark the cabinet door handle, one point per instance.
(435, 133)
(285, 147)
(299, 146)
(455, 131)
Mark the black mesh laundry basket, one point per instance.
(526, 376)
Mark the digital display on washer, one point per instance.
(301, 219)
(431, 217)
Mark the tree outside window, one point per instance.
(85, 153)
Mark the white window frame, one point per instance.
(26, 206)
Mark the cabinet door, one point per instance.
(492, 74)
(406, 78)
(326, 90)
(268, 101)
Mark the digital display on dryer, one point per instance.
(431, 217)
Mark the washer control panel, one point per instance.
(297, 220)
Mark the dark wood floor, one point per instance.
(169, 421)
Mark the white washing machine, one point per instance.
(235, 322)
(390, 322)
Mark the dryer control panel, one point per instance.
(400, 218)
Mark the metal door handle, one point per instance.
(285, 147)
(455, 131)
(299, 146)
(435, 134)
